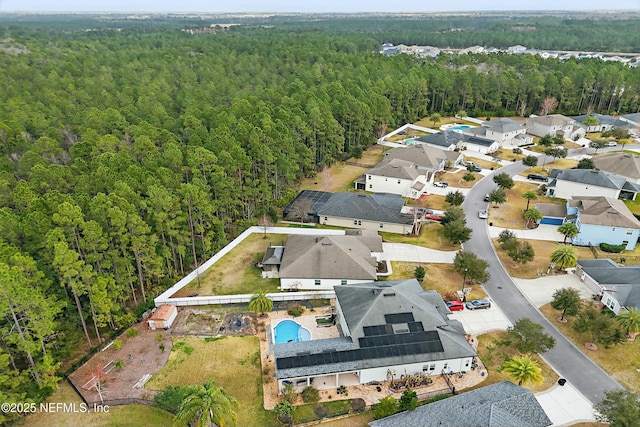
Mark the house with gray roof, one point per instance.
(620, 163)
(618, 287)
(407, 170)
(379, 211)
(503, 130)
(603, 220)
(322, 262)
(503, 404)
(604, 122)
(387, 328)
(571, 183)
(633, 119)
(458, 139)
(555, 125)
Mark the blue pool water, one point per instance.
(290, 331)
(459, 127)
(410, 141)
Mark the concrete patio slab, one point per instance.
(565, 405)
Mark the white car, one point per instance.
(483, 214)
(612, 144)
(441, 184)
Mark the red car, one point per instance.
(455, 305)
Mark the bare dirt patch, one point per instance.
(214, 320)
(123, 368)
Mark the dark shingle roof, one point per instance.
(624, 281)
(381, 207)
(590, 177)
(503, 404)
(623, 164)
(442, 139)
(603, 120)
(503, 125)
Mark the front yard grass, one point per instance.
(431, 236)
(485, 164)
(540, 263)
(508, 154)
(124, 416)
(455, 179)
(235, 273)
(509, 214)
(441, 278)
(620, 361)
(494, 349)
(549, 165)
(233, 363)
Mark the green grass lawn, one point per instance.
(121, 416)
(430, 237)
(620, 361)
(304, 413)
(234, 364)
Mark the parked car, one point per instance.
(537, 177)
(473, 166)
(433, 216)
(442, 184)
(455, 305)
(478, 303)
(612, 144)
(487, 197)
(483, 214)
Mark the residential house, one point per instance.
(555, 125)
(380, 212)
(472, 49)
(516, 50)
(622, 164)
(572, 183)
(322, 262)
(633, 119)
(616, 286)
(604, 122)
(304, 207)
(502, 404)
(405, 171)
(503, 130)
(388, 329)
(455, 139)
(603, 220)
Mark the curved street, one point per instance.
(569, 361)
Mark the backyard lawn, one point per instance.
(621, 361)
(121, 416)
(235, 273)
(441, 278)
(430, 237)
(493, 349)
(538, 267)
(234, 364)
(551, 164)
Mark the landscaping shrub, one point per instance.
(321, 411)
(614, 249)
(419, 273)
(450, 296)
(358, 404)
(289, 393)
(310, 394)
(409, 400)
(159, 336)
(295, 310)
(132, 332)
(386, 407)
(171, 398)
(117, 344)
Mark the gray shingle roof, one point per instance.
(424, 156)
(598, 210)
(623, 164)
(552, 209)
(327, 257)
(634, 117)
(603, 120)
(381, 207)
(395, 168)
(361, 308)
(503, 404)
(590, 177)
(442, 139)
(625, 281)
(552, 120)
(503, 125)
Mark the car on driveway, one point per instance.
(478, 303)
(442, 184)
(483, 214)
(537, 177)
(455, 305)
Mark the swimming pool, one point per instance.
(290, 331)
(459, 127)
(410, 141)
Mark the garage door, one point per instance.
(551, 221)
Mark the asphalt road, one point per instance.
(591, 380)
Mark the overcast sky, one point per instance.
(400, 6)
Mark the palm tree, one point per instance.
(529, 195)
(565, 256)
(532, 216)
(629, 320)
(435, 118)
(568, 229)
(260, 303)
(523, 370)
(207, 405)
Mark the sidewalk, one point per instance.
(565, 405)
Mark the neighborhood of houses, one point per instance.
(424, 51)
(386, 329)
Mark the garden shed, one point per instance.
(163, 317)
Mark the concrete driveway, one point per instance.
(565, 405)
(540, 291)
(477, 322)
(541, 232)
(412, 253)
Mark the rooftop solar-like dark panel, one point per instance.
(399, 318)
(416, 327)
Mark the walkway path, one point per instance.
(542, 232)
